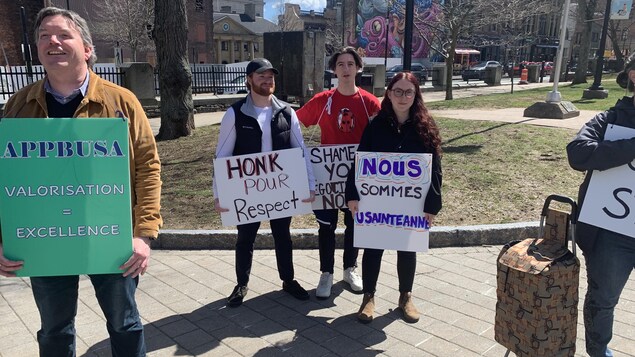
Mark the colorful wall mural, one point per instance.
(373, 29)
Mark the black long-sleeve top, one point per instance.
(589, 151)
(383, 135)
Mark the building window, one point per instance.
(256, 47)
(200, 32)
(236, 48)
(595, 37)
(199, 5)
(224, 46)
(542, 25)
(226, 9)
(246, 47)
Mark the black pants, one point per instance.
(282, 242)
(371, 264)
(327, 219)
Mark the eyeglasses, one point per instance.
(400, 92)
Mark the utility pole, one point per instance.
(596, 91)
(407, 44)
(554, 107)
(26, 48)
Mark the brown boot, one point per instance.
(366, 311)
(410, 312)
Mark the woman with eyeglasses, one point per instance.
(402, 125)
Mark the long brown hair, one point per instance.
(425, 125)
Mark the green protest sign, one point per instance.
(65, 195)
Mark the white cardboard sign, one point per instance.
(610, 198)
(263, 186)
(392, 189)
(331, 165)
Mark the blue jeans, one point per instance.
(327, 219)
(56, 299)
(609, 265)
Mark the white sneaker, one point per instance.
(323, 290)
(353, 279)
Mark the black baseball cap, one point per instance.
(260, 65)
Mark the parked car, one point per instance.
(417, 69)
(477, 71)
(234, 86)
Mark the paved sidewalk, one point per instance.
(182, 303)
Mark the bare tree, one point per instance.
(175, 77)
(333, 38)
(586, 11)
(618, 30)
(126, 22)
(457, 21)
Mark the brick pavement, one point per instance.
(182, 303)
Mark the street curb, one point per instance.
(451, 236)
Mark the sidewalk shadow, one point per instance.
(267, 316)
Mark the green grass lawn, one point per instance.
(525, 98)
(493, 173)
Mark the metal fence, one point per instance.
(14, 78)
(215, 79)
(110, 73)
(206, 78)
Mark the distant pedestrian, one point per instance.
(342, 114)
(260, 122)
(72, 89)
(609, 256)
(402, 125)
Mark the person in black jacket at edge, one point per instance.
(610, 256)
(402, 125)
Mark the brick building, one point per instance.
(219, 31)
(11, 33)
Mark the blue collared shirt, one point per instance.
(62, 99)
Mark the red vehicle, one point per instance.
(548, 67)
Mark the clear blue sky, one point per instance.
(273, 8)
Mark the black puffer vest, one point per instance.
(249, 134)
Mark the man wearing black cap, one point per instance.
(609, 256)
(261, 122)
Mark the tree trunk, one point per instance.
(175, 78)
(586, 12)
(449, 65)
(615, 44)
(449, 69)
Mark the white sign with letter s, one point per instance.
(610, 198)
